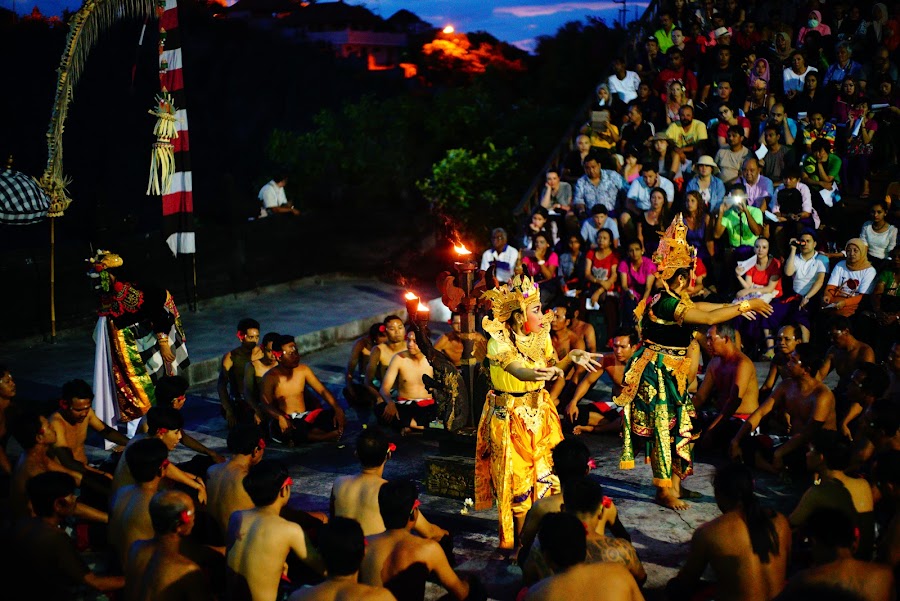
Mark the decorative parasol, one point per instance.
(22, 200)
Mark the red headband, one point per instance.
(162, 431)
(287, 482)
(186, 516)
(592, 464)
(261, 444)
(391, 447)
(417, 504)
(382, 328)
(241, 336)
(607, 502)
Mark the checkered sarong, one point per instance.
(21, 199)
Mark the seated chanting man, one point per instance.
(413, 408)
(284, 400)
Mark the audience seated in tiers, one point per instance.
(773, 129)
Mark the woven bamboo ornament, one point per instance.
(162, 156)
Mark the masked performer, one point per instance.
(139, 339)
(657, 408)
(519, 425)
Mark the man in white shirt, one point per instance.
(501, 254)
(274, 200)
(623, 82)
(808, 269)
(638, 199)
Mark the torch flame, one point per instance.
(422, 308)
(410, 296)
(449, 29)
(462, 250)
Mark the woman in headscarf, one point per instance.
(782, 47)
(814, 23)
(879, 30)
(851, 280)
(760, 70)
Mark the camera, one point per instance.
(795, 244)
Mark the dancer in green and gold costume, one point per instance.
(519, 425)
(657, 408)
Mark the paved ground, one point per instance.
(327, 314)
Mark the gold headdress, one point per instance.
(674, 251)
(507, 298)
(99, 264)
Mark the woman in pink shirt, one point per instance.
(637, 275)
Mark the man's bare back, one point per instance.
(391, 552)
(356, 497)
(225, 492)
(162, 576)
(588, 582)
(871, 581)
(740, 575)
(259, 542)
(129, 518)
(345, 589)
(843, 361)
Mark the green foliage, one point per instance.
(474, 189)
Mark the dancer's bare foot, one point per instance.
(582, 429)
(667, 498)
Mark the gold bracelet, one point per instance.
(162, 337)
(744, 307)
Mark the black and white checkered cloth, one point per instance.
(21, 199)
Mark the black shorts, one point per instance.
(317, 419)
(607, 409)
(424, 414)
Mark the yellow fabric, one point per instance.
(501, 353)
(513, 461)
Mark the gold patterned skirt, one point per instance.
(658, 410)
(513, 460)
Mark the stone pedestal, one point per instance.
(451, 476)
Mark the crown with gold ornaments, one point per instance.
(674, 251)
(519, 294)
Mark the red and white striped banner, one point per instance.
(177, 203)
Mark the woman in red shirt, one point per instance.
(601, 272)
(763, 279)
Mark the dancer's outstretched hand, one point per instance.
(589, 361)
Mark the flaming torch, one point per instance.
(412, 306)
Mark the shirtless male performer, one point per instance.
(225, 490)
(235, 408)
(71, 423)
(565, 339)
(730, 383)
(787, 339)
(129, 516)
(259, 540)
(563, 538)
(283, 400)
(343, 546)
(382, 353)
(160, 567)
(355, 496)
(399, 560)
(603, 416)
(414, 408)
(843, 355)
(747, 548)
(254, 372)
(451, 343)
(805, 402)
(582, 328)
